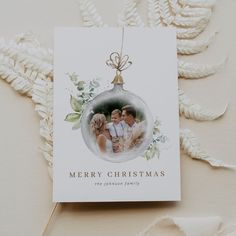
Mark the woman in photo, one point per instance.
(103, 138)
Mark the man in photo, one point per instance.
(133, 131)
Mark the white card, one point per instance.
(114, 141)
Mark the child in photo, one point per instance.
(116, 129)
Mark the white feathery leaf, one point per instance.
(42, 95)
(27, 38)
(24, 61)
(191, 147)
(129, 15)
(45, 55)
(45, 129)
(198, 3)
(29, 62)
(166, 14)
(41, 110)
(47, 150)
(193, 71)
(189, 47)
(195, 12)
(16, 77)
(182, 21)
(47, 156)
(26, 50)
(195, 111)
(190, 33)
(89, 14)
(174, 7)
(154, 17)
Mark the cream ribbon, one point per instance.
(189, 226)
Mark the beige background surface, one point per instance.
(26, 189)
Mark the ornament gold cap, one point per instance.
(118, 79)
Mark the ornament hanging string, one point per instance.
(122, 42)
(119, 62)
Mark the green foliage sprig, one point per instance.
(157, 138)
(85, 92)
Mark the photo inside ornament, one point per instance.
(117, 125)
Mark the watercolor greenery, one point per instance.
(157, 139)
(82, 94)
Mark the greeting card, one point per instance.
(116, 125)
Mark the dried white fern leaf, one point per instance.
(163, 12)
(27, 38)
(27, 51)
(154, 17)
(27, 43)
(45, 55)
(42, 95)
(193, 71)
(195, 12)
(18, 68)
(198, 3)
(193, 32)
(189, 47)
(48, 155)
(175, 7)
(45, 129)
(182, 21)
(29, 62)
(195, 111)
(166, 14)
(47, 151)
(15, 75)
(191, 147)
(89, 14)
(129, 15)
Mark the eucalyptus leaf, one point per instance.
(73, 78)
(86, 96)
(75, 104)
(76, 125)
(72, 117)
(94, 83)
(80, 85)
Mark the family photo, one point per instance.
(117, 129)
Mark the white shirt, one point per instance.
(116, 130)
(128, 130)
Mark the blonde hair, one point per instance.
(116, 111)
(97, 123)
